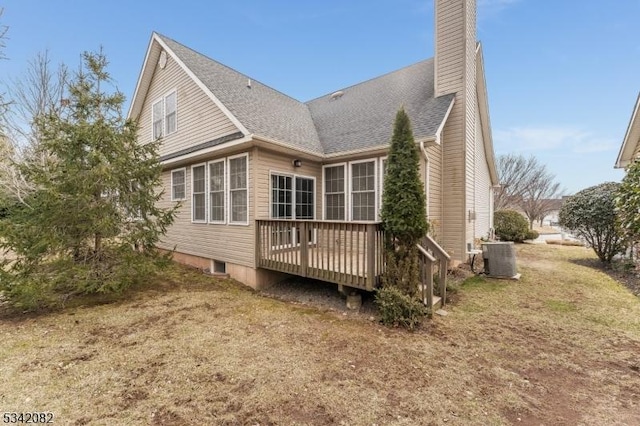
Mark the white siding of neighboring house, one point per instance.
(199, 120)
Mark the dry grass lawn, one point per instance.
(558, 347)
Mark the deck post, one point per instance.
(371, 256)
(258, 241)
(428, 266)
(443, 280)
(304, 248)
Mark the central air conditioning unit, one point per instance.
(500, 260)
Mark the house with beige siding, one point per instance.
(630, 148)
(270, 185)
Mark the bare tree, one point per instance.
(539, 196)
(515, 174)
(37, 93)
(3, 37)
(525, 185)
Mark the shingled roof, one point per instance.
(362, 117)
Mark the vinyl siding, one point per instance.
(435, 190)
(269, 161)
(472, 126)
(226, 243)
(482, 185)
(199, 120)
(449, 44)
(455, 73)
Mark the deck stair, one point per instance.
(433, 260)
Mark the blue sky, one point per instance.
(562, 76)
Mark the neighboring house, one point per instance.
(630, 149)
(268, 182)
(553, 206)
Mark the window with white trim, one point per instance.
(292, 197)
(164, 115)
(281, 197)
(238, 194)
(158, 117)
(216, 191)
(305, 198)
(198, 193)
(178, 184)
(363, 190)
(383, 173)
(170, 119)
(334, 192)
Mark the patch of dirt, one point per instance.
(321, 295)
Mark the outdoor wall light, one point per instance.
(297, 163)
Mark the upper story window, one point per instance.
(165, 115)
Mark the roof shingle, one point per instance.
(361, 118)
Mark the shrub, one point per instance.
(531, 235)
(403, 213)
(591, 215)
(52, 283)
(510, 225)
(398, 309)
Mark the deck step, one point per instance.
(437, 302)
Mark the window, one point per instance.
(178, 184)
(334, 198)
(135, 212)
(170, 113)
(281, 197)
(283, 188)
(216, 191)
(238, 194)
(158, 113)
(164, 115)
(198, 193)
(383, 173)
(363, 191)
(305, 193)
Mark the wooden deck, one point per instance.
(346, 253)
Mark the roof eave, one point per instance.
(140, 92)
(483, 104)
(631, 139)
(437, 137)
(142, 89)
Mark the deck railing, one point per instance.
(433, 256)
(347, 253)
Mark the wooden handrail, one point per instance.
(427, 276)
(431, 244)
(425, 253)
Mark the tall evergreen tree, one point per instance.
(404, 215)
(92, 221)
